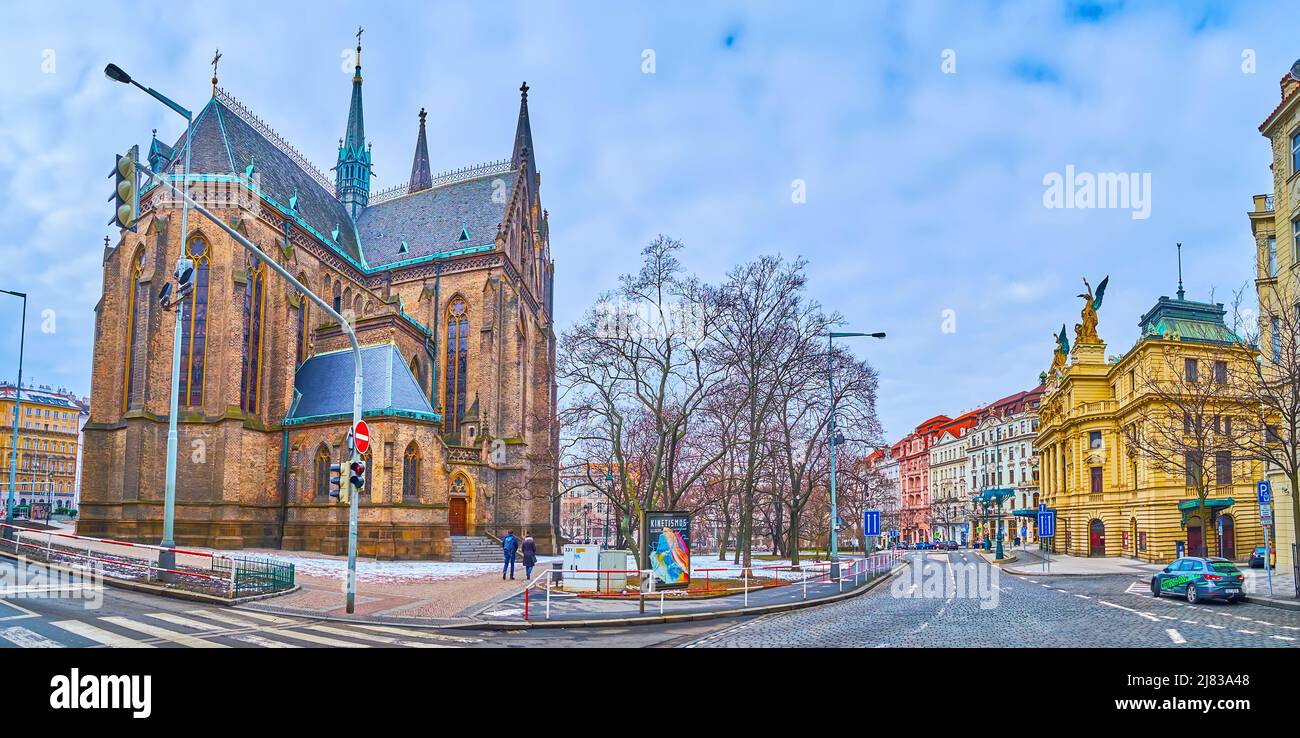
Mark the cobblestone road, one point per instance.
(951, 601)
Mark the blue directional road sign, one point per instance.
(870, 522)
(1046, 522)
(1265, 492)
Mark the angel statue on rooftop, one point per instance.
(1059, 356)
(1086, 332)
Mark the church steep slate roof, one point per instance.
(225, 144)
(432, 221)
(324, 386)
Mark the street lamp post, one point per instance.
(167, 558)
(835, 441)
(997, 466)
(18, 401)
(609, 482)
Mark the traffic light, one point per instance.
(184, 278)
(126, 190)
(358, 478)
(184, 285)
(336, 488)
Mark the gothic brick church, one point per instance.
(448, 280)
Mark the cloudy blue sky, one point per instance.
(924, 188)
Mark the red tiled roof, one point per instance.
(1295, 86)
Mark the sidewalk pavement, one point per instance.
(1030, 561)
(1256, 588)
(433, 593)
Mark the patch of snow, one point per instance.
(402, 571)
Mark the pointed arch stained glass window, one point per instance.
(454, 388)
(194, 328)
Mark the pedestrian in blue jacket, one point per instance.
(509, 547)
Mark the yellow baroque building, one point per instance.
(1111, 500)
(1275, 225)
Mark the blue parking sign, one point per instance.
(1265, 492)
(871, 522)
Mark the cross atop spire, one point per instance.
(360, 31)
(215, 59)
(421, 177)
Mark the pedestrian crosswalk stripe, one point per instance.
(262, 616)
(163, 633)
(257, 640)
(417, 633)
(187, 622)
(99, 635)
(224, 618)
(320, 640)
(24, 638)
(372, 637)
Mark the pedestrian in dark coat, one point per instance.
(509, 547)
(530, 555)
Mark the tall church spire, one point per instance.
(523, 133)
(420, 176)
(352, 172)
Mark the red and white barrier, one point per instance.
(856, 569)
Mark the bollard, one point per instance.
(805, 586)
(548, 594)
(526, 588)
(745, 576)
(661, 603)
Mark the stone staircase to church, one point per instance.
(475, 549)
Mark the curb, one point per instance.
(691, 616)
(153, 589)
(1274, 603)
(1137, 576)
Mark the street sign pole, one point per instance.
(1265, 490)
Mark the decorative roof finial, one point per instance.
(523, 90)
(215, 58)
(1180, 271)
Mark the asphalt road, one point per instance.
(940, 599)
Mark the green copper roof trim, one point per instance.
(387, 412)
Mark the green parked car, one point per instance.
(1197, 579)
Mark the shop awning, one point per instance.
(1187, 507)
(1031, 512)
(1215, 504)
(994, 496)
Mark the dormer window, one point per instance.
(464, 234)
(403, 248)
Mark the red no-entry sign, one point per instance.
(361, 436)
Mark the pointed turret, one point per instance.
(352, 172)
(421, 179)
(523, 133)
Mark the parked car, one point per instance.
(1199, 578)
(950, 546)
(1256, 560)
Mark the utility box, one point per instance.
(614, 558)
(581, 563)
